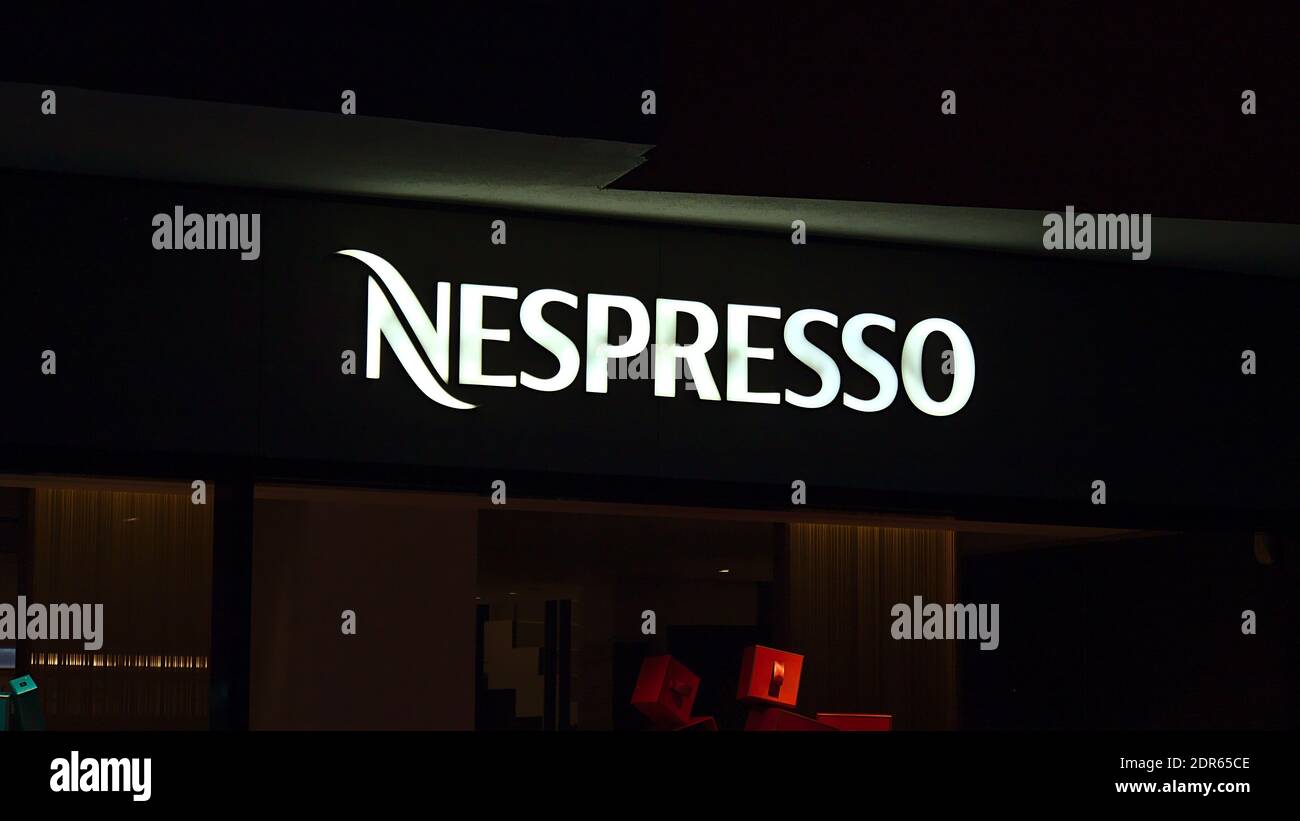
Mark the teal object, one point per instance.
(4, 711)
(27, 703)
(22, 684)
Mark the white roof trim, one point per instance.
(164, 139)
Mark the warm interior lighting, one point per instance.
(125, 660)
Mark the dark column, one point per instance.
(232, 603)
(563, 650)
(19, 535)
(482, 613)
(550, 651)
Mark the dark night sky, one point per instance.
(1108, 107)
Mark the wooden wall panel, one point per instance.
(840, 583)
(147, 557)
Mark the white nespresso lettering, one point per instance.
(599, 351)
(963, 373)
(383, 324)
(871, 362)
(812, 356)
(550, 338)
(739, 353)
(668, 350)
(473, 334)
(382, 321)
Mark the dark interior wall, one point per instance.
(1135, 634)
(614, 568)
(408, 574)
(824, 591)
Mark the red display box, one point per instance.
(769, 676)
(665, 691)
(704, 724)
(776, 719)
(858, 722)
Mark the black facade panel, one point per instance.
(176, 361)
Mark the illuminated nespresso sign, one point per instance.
(389, 294)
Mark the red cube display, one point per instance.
(704, 724)
(778, 720)
(665, 691)
(858, 722)
(769, 676)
